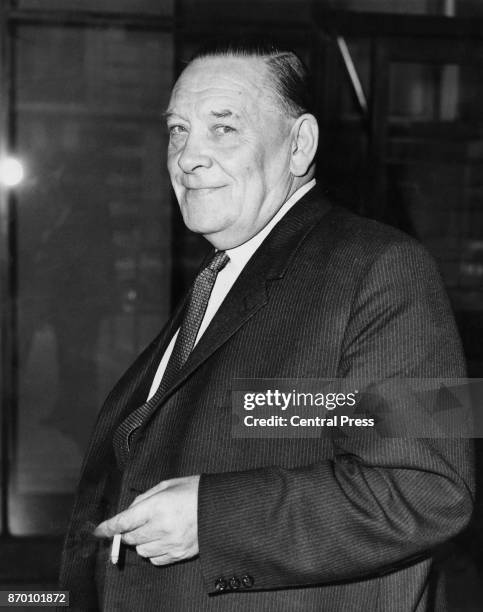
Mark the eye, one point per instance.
(176, 130)
(224, 129)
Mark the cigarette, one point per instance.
(116, 545)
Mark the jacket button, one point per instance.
(221, 585)
(247, 581)
(234, 583)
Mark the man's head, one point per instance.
(242, 140)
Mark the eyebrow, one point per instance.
(224, 113)
(167, 114)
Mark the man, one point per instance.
(297, 288)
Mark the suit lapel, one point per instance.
(132, 390)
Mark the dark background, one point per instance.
(93, 253)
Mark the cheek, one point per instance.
(247, 175)
(241, 162)
(171, 164)
(253, 185)
(248, 184)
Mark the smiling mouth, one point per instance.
(195, 193)
(203, 188)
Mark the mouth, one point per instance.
(201, 191)
(202, 188)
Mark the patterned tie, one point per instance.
(195, 311)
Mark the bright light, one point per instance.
(11, 172)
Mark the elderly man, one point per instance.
(295, 288)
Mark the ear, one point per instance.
(305, 138)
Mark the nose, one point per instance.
(194, 155)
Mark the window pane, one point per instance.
(94, 218)
(435, 92)
(415, 7)
(158, 7)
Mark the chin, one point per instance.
(203, 225)
(204, 220)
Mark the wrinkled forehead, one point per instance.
(242, 82)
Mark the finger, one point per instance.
(162, 560)
(130, 519)
(151, 549)
(141, 535)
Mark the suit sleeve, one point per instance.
(378, 503)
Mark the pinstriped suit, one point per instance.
(319, 524)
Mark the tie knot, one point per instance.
(219, 261)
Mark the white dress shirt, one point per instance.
(225, 279)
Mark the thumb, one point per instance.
(125, 521)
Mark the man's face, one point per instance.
(229, 149)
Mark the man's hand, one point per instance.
(162, 523)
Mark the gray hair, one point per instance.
(288, 74)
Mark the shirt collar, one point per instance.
(241, 254)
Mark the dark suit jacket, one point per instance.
(322, 524)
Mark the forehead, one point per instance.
(239, 82)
